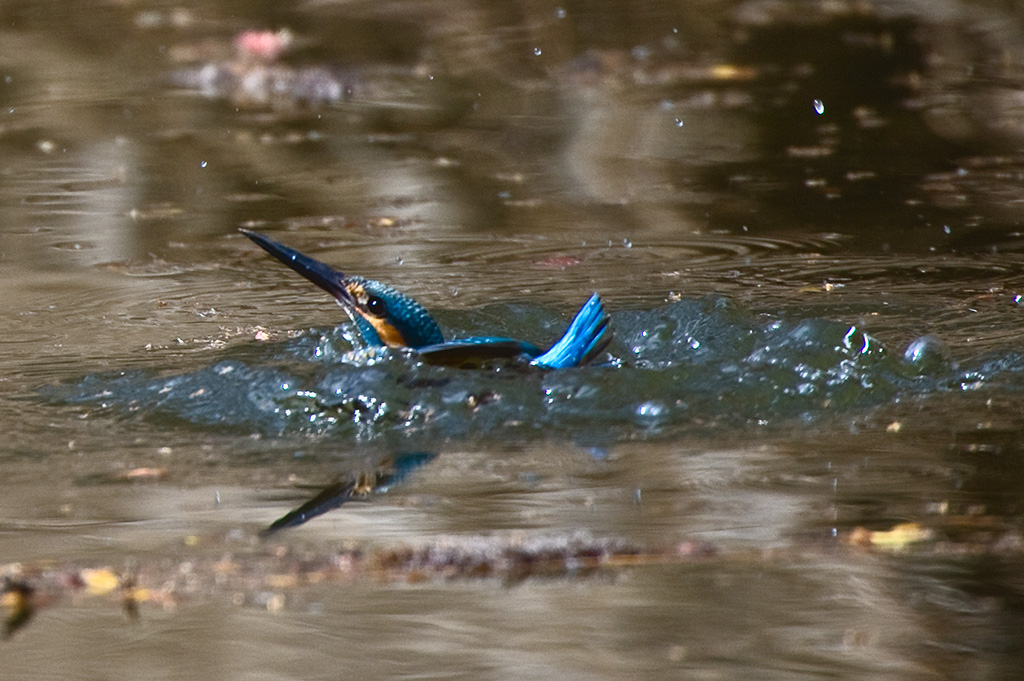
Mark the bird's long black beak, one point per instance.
(321, 274)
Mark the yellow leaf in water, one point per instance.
(282, 581)
(142, 595)
(896, 539)
(99, 582)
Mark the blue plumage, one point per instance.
(386, 317)
(587, 335)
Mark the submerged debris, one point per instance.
(274, 85)
(18, 597)
(255, 77)
(263, 576)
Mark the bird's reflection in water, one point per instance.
(356, 485)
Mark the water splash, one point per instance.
(691, 364)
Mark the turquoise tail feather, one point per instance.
(586, 337)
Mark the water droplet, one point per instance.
(560, 13)
(650, 410)
(679, 122)
(202, 164)
(946, 229)
(819, 106)
(537, 51)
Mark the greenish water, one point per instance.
(804, 222)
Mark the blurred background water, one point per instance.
(804, 218)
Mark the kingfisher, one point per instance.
(386, 317)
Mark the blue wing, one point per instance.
(468, 351)
(586, 337)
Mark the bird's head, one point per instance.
(384, 316)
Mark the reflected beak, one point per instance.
(321, 274)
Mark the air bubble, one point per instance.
(819, 107)
(928, 355)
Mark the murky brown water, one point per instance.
(854, 165)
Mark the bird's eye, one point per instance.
(376, 306)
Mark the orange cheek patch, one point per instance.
(389, 335)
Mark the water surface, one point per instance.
(775, 202)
